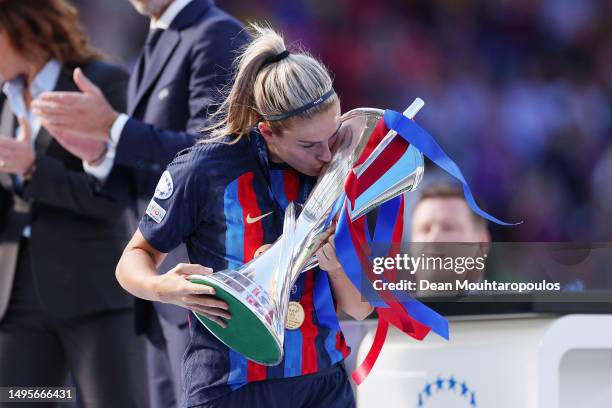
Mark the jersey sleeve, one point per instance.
(177, 204)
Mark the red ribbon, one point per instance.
(395, 314)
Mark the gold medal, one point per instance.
(295, 316)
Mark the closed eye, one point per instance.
(329, 141)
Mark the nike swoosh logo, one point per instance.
(250, 220)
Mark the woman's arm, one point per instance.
(137, 273)
(347, 296)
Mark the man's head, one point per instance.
(441, 214)
(444, 227)
(151, 8)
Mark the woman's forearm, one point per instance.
(347, 296)
(136, 273)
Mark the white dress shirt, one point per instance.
(44, 81)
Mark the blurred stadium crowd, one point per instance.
(518, 92)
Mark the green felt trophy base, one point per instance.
(245, 333)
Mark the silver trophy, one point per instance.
(258, 292)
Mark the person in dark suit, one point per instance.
(185, 62)
(61, 309)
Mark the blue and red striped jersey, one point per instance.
(225, 203)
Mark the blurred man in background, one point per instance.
(187, 58)
(444, 226)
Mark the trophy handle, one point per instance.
(405, 175)
(284, 262)
(410, 113)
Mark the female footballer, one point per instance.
(225, 198)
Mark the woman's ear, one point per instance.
(265, 130)
(271, 141)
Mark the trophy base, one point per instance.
(245, 332)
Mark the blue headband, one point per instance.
(301, 109)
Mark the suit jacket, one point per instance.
(77, 234)
(168, 106)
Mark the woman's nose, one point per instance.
(324, 154)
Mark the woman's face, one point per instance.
(12, 64)
(306, 145)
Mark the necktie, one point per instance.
(149, 48)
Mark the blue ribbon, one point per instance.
(423, 141)
(323, 302)
(347, 255)
(337, 207)
(385, 224)
(383, 235)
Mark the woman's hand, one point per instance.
(174, 287)
(328, 261)
(17, 155)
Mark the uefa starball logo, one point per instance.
(446, 393)
(165, 186)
